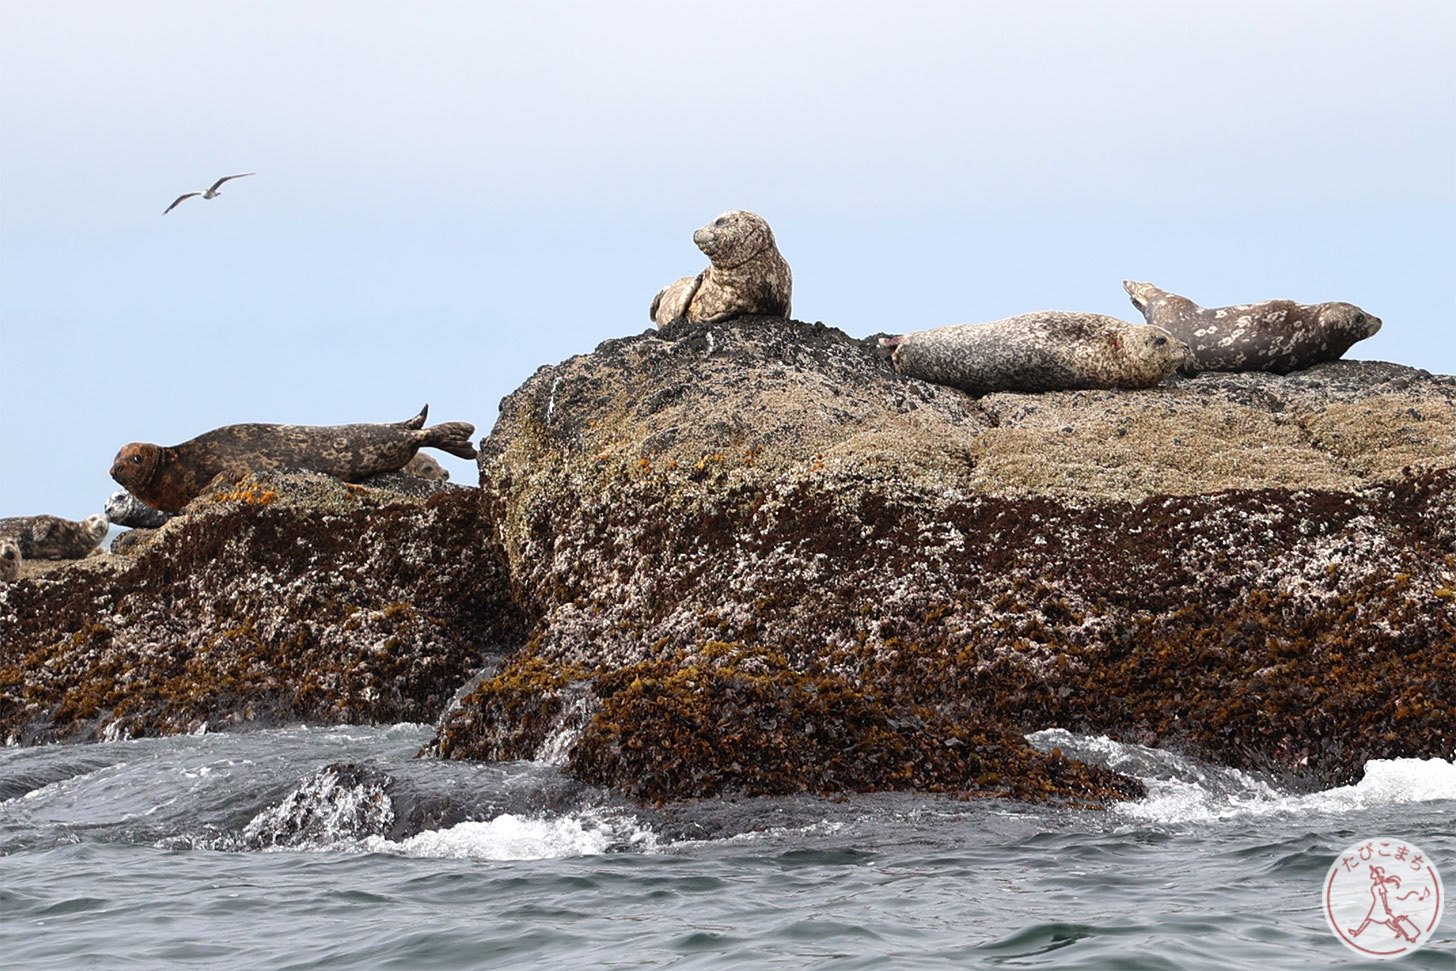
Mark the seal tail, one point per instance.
(418, 421)
(450, 436)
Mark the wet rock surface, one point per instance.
(750, 558)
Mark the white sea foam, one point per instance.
(512, 837)
(1183, 790)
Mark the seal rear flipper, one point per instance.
(418, 421)
(452, 437)
(1141, 295)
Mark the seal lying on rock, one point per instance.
(54, 538)
(9, 559)
(125, 509)
(1276, 335)
(168, 478)
(1052, 350)
(747, 275)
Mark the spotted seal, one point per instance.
(167, 478)
(1052, 350)
(9, 559)
(1276, 335)
(54, 538)
(125, 509)
(746, 276)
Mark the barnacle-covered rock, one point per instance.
(759, 560)
(286, 598)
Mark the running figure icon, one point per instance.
(1400, 924)
(1382, 897)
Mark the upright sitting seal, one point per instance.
(169, 478)
(54, 538)
(1276, 335)
(9, 559)
(1048, 351)
(747, 275)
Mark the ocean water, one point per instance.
(235, 851)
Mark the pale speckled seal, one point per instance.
(168, 478)
(54, 538)
(1052, 350)
(9, 559)
(746, 276)
(1276, 335)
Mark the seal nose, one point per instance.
(1372, 326)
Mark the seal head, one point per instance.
(734, 238)
(136, 465)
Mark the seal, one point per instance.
(1276, 335)
(54, 538)
(169, 477)
(746, 275)
(1052, 350)
(9, 559)
(125, 509)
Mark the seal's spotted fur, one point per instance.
(747, 275)
(1048, 351)
(1276, 335)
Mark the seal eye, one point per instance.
(721, 221)
(1159, 341)
(136, 459)
(1359, 319)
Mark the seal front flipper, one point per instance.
(450, 436)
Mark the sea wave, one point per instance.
(513, 837)
(1184, 790)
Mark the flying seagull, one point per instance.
(212, 192)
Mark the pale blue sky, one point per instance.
(450, 195)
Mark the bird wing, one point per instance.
(185, 195)
(226, 177)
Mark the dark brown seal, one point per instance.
(169, 478)
(54, 538)
(1276, 335)
(747, 275)
(1054, 350)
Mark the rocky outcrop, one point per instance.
(759, 559)
(289, 598)
(751, 558)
